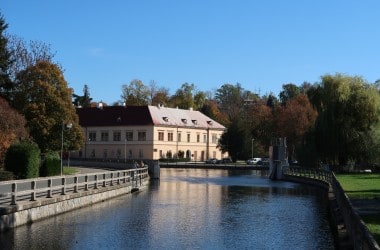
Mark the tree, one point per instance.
(261, 120)
(43, 97)
(84, 100)
(289, 92)
(5, 61)
(184, 96)
(161, 97)
(294, 120)
(12, 127)
(230, 99)
(236, 140)
(210, 108)
(348, 110)
(135, 93)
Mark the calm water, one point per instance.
(190, 209)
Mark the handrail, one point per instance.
(358, 231)
(13, 192)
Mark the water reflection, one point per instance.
(187, 209)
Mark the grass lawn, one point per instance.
(69, 170)
(363, 186)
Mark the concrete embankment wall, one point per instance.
(349, 229)
(30, 211)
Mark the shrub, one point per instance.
(51, 164)
(23, 159)
(6, 175)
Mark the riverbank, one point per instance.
(363, 190)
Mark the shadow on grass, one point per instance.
(373, 224)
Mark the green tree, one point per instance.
(184, 96)
(43, 97)
(230, 99)
(5, 61)
(289, 91)
(135, 93)
(236, 140)
(348, 110)
(84, 100)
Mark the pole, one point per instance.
(252, 147)
(62, 149)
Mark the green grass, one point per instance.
(363, 186)
(69, 170)
(360, 186)
(372, 222)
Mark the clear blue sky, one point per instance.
(260, 44)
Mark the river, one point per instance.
(190, 209)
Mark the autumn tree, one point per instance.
(43, 97)
(12, 127)
(211, 109)
(260, 118)
(294, 120)
(348, 111)
(161, 97)
(135, 93)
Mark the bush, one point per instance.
(6, 175)
(23, 159)
(51, 164)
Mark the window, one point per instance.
(105, 153)
(198, 137)
(116, 136)
(179, 136)
(92, 136)
(104, 136)
(160, 135)
(141, 153)
(214, 138)
(204, 138)
(130, 153)
(161, 154)
(170, 136)
(93, 153)
(129, 135)
(141, 136)
(118, 153)
(188, 137)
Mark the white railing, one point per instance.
(13, 192)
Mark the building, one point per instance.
(148, 132)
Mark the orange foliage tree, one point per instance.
(12, 127)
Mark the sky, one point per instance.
(261, 44)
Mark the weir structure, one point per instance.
(26, 201)
(278, 160)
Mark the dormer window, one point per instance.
(184, 121)
(209, 122)
(195, 122)
(165, 118)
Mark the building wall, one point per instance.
(198, 144)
